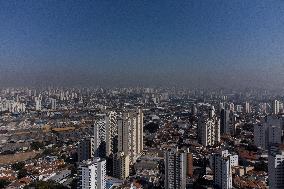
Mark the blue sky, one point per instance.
(208, 43)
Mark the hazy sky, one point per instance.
(206, 43)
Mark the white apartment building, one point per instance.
(130, 134)
(275, 107)
(208, 131)
(100, 135)
(12, 106)
(267, 132)
(111, 132)
(38, 103)
(222, 166)
(247, 108)
(92, 174)
(276, 167)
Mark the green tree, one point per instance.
(18, 166)
(22, 173)
(49, 151)
(4, 183)
(151, 127)
(36, 145)
(261, 166)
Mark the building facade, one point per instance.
(130, 134)
(208, 131)
(275, 107)
(85, 149)
(100, 135)
(111, 133)
(222, 167)
(276, 167)
(225, 122)
(92, 174)
(267, 132)
(121, 165)
(176, 168)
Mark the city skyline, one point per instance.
(151, 138)
(210, 44)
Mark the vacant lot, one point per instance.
(13, 158)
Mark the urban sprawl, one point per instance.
(171, 138)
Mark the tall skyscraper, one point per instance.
(111, 133)
(268, 132)
(208, 131)
(247, 108)
(232, 107)
(189, 162)
(232, 123)
(175, 168)
(121, 165)
(100, 135)
(260, 131)
(281, 107)
(274, 134)
(221, 106)
(276, 167)
(222, 166)
(193, 109)
(263, 108)
(212, 112)
(38, 103)
(130, 134)
(275, 107)
(53, 103)
(86, 149)
(92, 174)
(225, 122)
